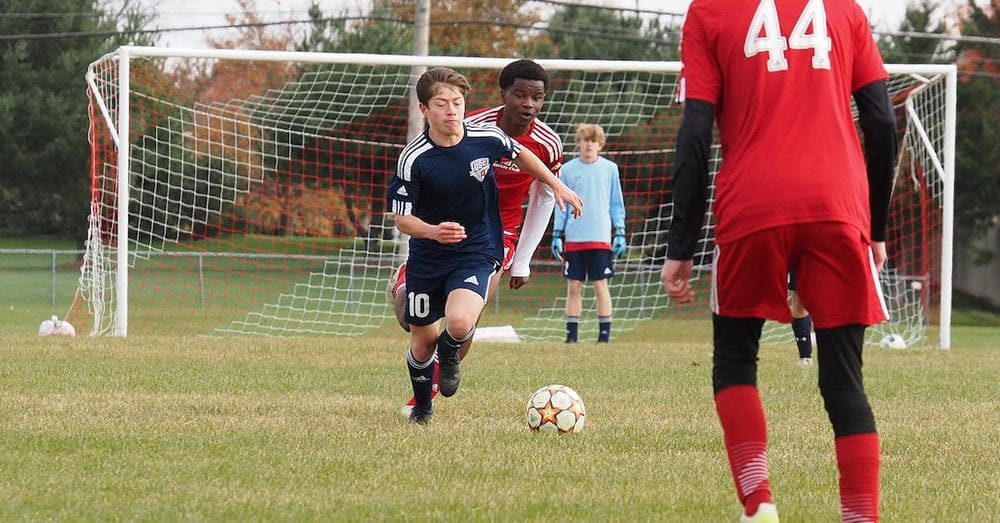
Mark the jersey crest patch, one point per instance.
(478, 168)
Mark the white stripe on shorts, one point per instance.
(713, 297)
(877, 283)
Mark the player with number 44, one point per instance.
(795, 193)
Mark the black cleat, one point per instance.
(420, 416)
(450, 374)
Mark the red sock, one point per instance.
(744, 431)
(435, 380)
(858, 463)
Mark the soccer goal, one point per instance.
(242, 192)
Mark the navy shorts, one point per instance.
(591, 264)
(426, 297)
(791, 280)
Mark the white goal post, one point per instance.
(253, 193)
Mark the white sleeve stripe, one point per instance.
(494, 132)
(549, 146)
(401, 208)
(544, 131)
(407, 158)
(487, 116)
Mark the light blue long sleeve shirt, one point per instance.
(600, 188)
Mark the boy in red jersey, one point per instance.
(523, 84)
(778, 76)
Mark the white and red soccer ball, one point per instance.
(56, 327)
(556, 409)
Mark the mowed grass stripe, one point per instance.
(308, 429)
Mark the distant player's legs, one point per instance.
(574, 306)
(801, 327)
(603, 310)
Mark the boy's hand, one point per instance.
(619, 244)
(557, 244)
(449, 232)
(564, 195)
(516, 282)
(675, 276)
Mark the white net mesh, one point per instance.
(256, 207)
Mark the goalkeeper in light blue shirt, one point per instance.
(586, 244)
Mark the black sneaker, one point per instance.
(420, 416)
(450, 374)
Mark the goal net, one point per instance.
(243, 192)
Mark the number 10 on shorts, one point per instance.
(420, 304)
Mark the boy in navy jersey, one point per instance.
(522, 84)
(444, 195)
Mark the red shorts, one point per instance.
(835, 272)
(509, 243)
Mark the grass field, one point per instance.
(308, 429)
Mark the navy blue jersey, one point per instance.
(452, 184)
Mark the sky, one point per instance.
(884, 14)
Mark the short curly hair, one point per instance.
(524, 69)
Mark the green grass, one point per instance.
(307, 429)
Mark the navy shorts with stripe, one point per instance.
(590, 264)
(426, 297)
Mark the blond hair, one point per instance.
(592, 132)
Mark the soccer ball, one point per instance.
(557, 409)
(893, 341)
(56, 327)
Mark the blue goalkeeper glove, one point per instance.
(557, 244)
(618, 245)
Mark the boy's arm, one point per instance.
(530, 163)
(617, 201)
(536, 220)
(617, 210)
(444, 232)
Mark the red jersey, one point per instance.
(781, 74)
(511, 182)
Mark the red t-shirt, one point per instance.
(782, 92)
(513, 184)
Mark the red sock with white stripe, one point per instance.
(858, 463)
(744, 430)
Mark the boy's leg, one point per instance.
(461, 314)
(749, 285)
(603, 295)
(574, 306)
(419, 364)
(840, 288)
(467, 288)
(839, 351)
(801, 323)
(423, 311)
(600, 269)
(575, 272)
(740, 410)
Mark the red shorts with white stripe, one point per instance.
(835, 273)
